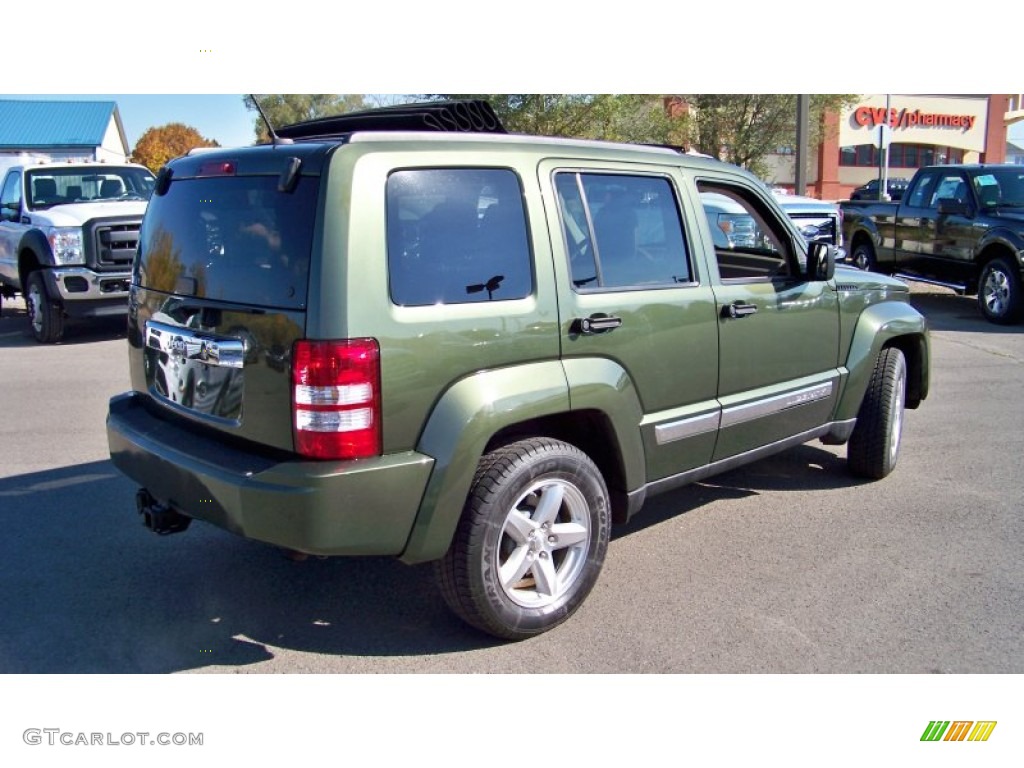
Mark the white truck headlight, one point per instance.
(66, 245)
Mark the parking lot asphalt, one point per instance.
(787, 565)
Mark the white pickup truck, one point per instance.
(68, 235)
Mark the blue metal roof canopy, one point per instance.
(51, 124)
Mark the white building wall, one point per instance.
(112, 148)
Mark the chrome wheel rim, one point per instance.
(860, 258)
(543, 544)
(897, 420)
(997, 292)
(35, 307)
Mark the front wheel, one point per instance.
(531, 541)
(875, 443)
(999, 292)
(44, 314)
(864, 257)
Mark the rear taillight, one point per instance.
(336, 398)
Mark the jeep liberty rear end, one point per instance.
(481, 350)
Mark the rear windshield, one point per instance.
(235, 239)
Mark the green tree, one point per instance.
(158, 145)
(287, 108)
(614, 117)
(739, 128)
(744, 128)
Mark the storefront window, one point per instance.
(900, 156)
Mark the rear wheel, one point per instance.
(999, 292)
(45, 315)
(531, 541)
(875, 443)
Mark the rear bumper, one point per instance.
(364, 507)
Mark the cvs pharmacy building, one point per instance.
(925, 130)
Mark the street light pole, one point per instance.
(883, 187)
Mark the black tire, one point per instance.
(45, 315)
(875, 443)
(999, 292)
(863, 256)
(531, 541)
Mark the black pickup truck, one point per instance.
(961, 226)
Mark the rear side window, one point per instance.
(921, 196)
(235, 239)
(621, 231)
(457, 236)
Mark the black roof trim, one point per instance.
(466, 115)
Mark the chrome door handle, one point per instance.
(595, 324)
(738, 310)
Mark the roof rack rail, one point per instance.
(463, 115)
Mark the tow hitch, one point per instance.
(157, 517)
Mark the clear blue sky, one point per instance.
(221, 117)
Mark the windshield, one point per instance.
(47, 187)
(1000, 188)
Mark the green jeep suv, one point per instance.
(415, 335)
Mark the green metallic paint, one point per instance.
(362, 507)
(878, 326)
(269, 336)
(460, 426)
(599, 384)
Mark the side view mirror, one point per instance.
(10, 212)
(951, 206)
(821, 262)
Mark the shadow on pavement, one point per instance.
(16, 332)
(950, 312)
(89, 590)
(804, 468)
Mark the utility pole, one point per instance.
(883, 141)
(803, 119)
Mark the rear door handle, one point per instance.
(595, 324)
(738, 310)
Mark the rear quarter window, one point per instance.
(456, 236)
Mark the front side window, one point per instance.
(1000, 188)
(457, 236)
(750, 244)
(621, 231)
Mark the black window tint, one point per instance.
(456, 235)
(623, 231)
(236, 239)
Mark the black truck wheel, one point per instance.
(531, 541)
(875, 443)
(999, 292)
(864, 256)
(45, 315)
